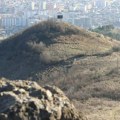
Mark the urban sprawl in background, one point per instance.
(16, 15)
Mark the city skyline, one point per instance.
(17, 15)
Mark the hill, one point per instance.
(49, 43)
(85, 65)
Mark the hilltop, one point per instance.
(85, 65)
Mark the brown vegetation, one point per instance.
(46, 53)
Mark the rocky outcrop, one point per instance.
(26, 100)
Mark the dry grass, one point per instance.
(93, 85)
(83, 64)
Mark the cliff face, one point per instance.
(25, 100)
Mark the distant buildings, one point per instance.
(100, 3)
(18, 14)
(84, 22)
(7, 21)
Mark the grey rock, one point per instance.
(26, 100)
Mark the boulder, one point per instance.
(26, 100)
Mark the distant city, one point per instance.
(16, 15)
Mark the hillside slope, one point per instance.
(109, 31)
(50, 42)
(85, 65)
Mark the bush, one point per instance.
(116, 48)
(45, 57)
(38, 47)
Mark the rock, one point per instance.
(26, 100)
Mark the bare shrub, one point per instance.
(116, 49)
(45, 57)
(38, 47)
(49, 26)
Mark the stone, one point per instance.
(26, 100)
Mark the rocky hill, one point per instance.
(25, 100)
